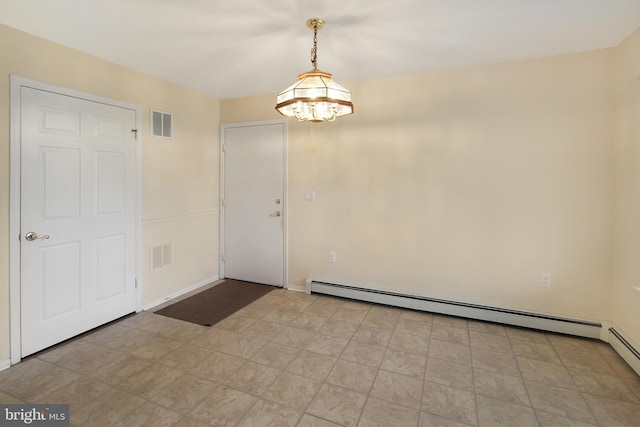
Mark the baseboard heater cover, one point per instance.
(625, 349)
(545, 322)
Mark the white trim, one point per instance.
(221, 204)
(625, 346)
(542, 321)
(16, 83)
(14, 221)
(621, 347)
(180, 293)
(5, 364)
(296, 288)
(605, 334)
(138, 203)
(212, 212)
(285, 204)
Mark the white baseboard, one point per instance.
(542, 321)
(296, 288)
(180, 293)
(627, 348)
(5, 364)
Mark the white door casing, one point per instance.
(253, 205)
(78, 186)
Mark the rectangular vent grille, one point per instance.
(161, 123)
(161, 256)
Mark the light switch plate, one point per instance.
(309, 195)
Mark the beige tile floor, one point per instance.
(292, 359)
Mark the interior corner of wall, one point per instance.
(604, 332)
(297, 288)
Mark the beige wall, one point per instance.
(626, 300)
(465, 184)
(179, 176)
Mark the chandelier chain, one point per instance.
(314, 49)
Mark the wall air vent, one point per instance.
(161, 123)
(161, 257)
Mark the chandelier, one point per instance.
(315, 97)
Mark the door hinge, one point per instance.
(136, 282)
(135, 133)
(222, 258)
(224, 147)
(224, 203)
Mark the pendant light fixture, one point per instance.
(315, 97)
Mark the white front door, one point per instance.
(254, 203)
(77, 216)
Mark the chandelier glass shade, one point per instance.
(315, 97)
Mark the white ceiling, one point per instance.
(233, 48)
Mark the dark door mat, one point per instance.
(211, 306)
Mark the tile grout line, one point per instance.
(524, 384)
(473, 378)
(424, 375)
(324, 380)
(376, 376)
(574, 381)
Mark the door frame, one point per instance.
(285, 189)
(17, 83)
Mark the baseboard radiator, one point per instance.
(625, 349)
(579, 327)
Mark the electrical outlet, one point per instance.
(332, 257)
(309, 195)
(545, 280)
